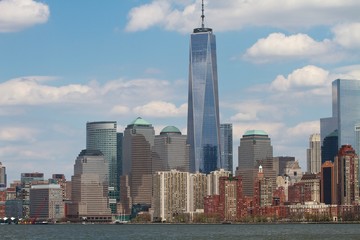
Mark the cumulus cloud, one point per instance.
(347, 35)
(120, 110)
(303, 129)
(17, 134)
(309, 77)
(161, 109)
(16, 15)
(32, 90)
(253, 110)
(278, 45)
(184, 15)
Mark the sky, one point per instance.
(64, 63)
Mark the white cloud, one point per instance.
(309, 76)
(16, 15)
(303, 129)
(17, 134)
(277, 45)
(161, 109)
(120, 110)
(347, 35)
(253, 110)
(182, 16)
(32, 90)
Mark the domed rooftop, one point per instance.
(255, 132)
(140, 122)
(170, 129)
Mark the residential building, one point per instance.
(226, 146)
(203, 124)
(198, 191)
(102, 136)
(213, 180)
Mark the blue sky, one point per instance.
(63, 63)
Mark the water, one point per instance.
(172, 231)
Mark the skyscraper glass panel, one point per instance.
(226, 146)
(203, 103)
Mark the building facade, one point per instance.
(328, 183)
(171, 150)
(314, 154)
(138, 166)
(102, 136)
(213, 180)
(198, 191)
(203, 124)
(226, 146)
(90, 187)
(2, 177)
(330, 147)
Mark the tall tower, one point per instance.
(2, 176)
(138, 167)
(314, 154)
(203, 101)
(226, 146)
(102, 136)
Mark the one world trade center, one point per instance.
(203, 102)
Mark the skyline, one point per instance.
(62, 65)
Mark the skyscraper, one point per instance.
(171, 150)
(345, 111)
(314, 154)
(137, 163)
(226, 146)
(203, 102)
(102, 136)
(90, 186)
(2, 176)
(329, 148)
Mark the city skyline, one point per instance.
(63, 65)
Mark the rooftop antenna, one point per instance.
(202, 15)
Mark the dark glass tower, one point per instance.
(203, 102)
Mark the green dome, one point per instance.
(255, 132)
(140, 122)
(170, 129)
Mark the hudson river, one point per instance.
(172, 231)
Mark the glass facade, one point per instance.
(203, 103)
(102, 136)
(226, 146)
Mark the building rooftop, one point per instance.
(255, 132)
(170, 129)
(140, 122)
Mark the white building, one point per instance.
(314, 154)
(213, 181)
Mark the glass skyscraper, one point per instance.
(345, 111)
(203, 102)
(226, 146)
(102, 136)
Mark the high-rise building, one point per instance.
(170, 194)
(46, 202)
(90, 187)
(314, 154)
(345, 111)
(171, 150)
(347, 167)
(102, 136)
(23, 191)
(329, 148)
(357, 139)
(226, 146)
(203, 102)
(328, 183)
(255, 146)
(198, 190)
(2, 176)
(213, 180)
(137, 163)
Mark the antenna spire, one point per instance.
(202, 15)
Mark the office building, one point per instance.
(293, 172)
(23, 191)
(90, 187)
(2, 177)
(330, 148)
(255, 146)
(280, 164)
(170, 195)
(226, 146)
(314, 154)
(312, 182)
(345, 112)
(138, 166)
(102, 136)
(46, 202)
(203, 102)
(171, 150)
(347, 167)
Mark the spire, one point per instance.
(202, 15)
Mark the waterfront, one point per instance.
(181, 231)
